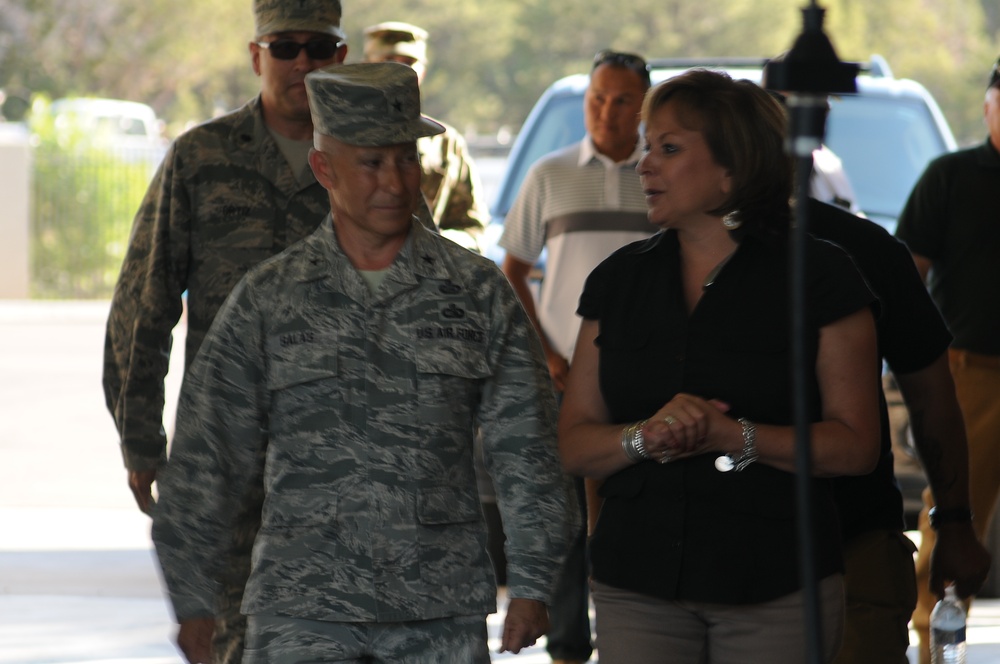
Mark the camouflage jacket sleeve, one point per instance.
(215, 463)
(224, 199)
(144, 309)
(452, 187)
(518, 418)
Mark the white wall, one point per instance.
(15, 188)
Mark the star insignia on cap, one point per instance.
(397, 105)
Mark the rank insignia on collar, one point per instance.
(449, 288)
(427, 258)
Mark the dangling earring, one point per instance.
(732, 221)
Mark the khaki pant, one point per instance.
(880, 590)
(977, 385)
(633, 628)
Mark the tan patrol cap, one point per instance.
(272, 16)
(368, 104)
(395, 38)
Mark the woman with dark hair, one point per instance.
(680, 395)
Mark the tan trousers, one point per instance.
(977, 385)
(633, 628)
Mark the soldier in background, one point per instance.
(343, 380)
(229, 193)
(450, 182)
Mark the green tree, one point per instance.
(490, 60)
(943, 45)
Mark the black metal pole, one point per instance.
(803, 110)
(807, 74)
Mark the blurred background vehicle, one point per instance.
(885, 134)
(130, 129)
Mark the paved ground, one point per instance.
(77, 580)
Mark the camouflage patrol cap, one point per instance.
(395, 38)
(368, 104)
(272, 16)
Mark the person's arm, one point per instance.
(517, 415)
(939, 436)
(844, 442)
(518, 273)
(590, 446)
(194, 639)
(595, 502)
(527, 620)
(923, 264)
(216, 455)
(144, 310)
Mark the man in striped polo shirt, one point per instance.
(579, 204)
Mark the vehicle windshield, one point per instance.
(904, 131)
(906, 136)
(560, 125)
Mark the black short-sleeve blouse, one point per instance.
(683, 530)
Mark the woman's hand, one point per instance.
(688, 425)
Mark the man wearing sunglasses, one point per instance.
(229, 193)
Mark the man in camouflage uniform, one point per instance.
(228, 194)
(346, 376)
(450, 182)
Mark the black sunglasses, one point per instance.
(289, 49)
(627, 60)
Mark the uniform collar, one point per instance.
(588, 152)
(251, 136)
(421, 256)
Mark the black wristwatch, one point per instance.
(938, 517)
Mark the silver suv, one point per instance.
(885, 135)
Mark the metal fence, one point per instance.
(84, 200)
(83, 203)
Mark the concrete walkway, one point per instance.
(78, 583)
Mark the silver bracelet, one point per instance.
(633, 443)
(726, 463)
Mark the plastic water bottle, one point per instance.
(948, 630)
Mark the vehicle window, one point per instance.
(906, 136)
(560, 125)
(903, 129)
(121, 125)
(132, 126)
